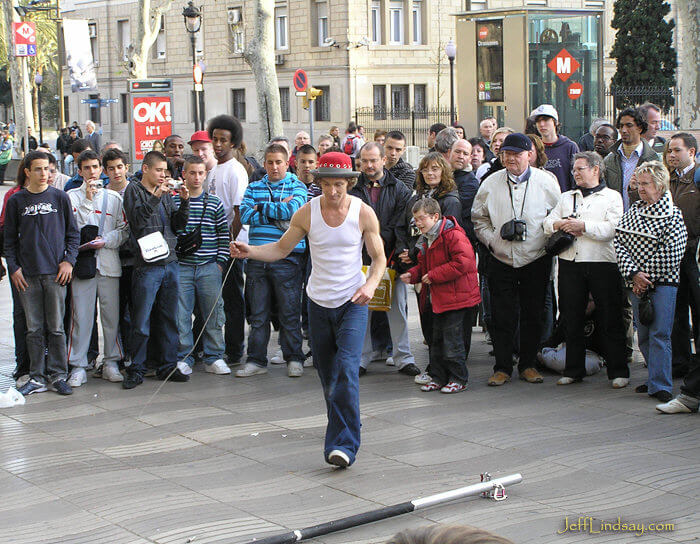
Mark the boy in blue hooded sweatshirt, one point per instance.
(268, 206)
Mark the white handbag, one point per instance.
(153, 247)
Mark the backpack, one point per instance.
(349, 145)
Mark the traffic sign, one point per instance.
(563, 65)
(300, 80)
(575, 91)
(483, 33)
(24, 37)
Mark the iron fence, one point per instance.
(414, 123)
(617, 98)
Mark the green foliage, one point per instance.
(644, 52)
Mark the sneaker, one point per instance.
(487, 338)
(644, 388)
(498, 378)
(295, 369)
(675, 406)
(362, 371)
(218, 367)
(530, 375)
(339, 459)
(410, 370)
(423, 378)
(31, 387)
(389, 361)
(430, 386)
(21, 381)
(277, 358)
(61, 387)
(184, 368)
(250, 369)
(78, 377)
(92, 363)
(663, 396)
(565, 380)
(110, 372)
(619, 383)
(132, 379)
(309, 360)
(453, 387)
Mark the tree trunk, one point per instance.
(147, 28)
(260, 55)
(689, 14)
(21, 97)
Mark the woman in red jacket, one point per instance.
(447, 268)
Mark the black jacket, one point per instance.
(404, 172)
(467, 186)
(390, 209)
(495, 167)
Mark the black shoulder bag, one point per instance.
(189, 242)
(560, 240)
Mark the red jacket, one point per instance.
(451, 267)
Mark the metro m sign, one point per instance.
(563, 65)
(152, 121)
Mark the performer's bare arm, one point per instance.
(369, 225)
(298, 228)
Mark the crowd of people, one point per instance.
(531, 233)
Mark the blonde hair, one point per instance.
(502, 130)
(658, 172)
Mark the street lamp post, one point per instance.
(193, 22)
(38, 80)
(451, 52)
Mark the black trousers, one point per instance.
(234, 309)
(125, 309)
(526, 285)
(603, 282)
(448, 353)
(688, 297)
(691, 383)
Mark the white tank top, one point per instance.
(336, 256)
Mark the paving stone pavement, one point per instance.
(222, 459)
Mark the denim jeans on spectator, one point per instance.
(306, 267)
(234, 310)
(200, 286)
(283, 279)
(19, 328)
(44, 303)
(336, 343)
(155, 300)
(125, 309)
(655, 339)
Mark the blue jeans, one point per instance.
(655, 339)
(44, 302)
(284, 278)
(155, 301)
(336, 342)
(200, 285)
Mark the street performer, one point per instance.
(336, 225)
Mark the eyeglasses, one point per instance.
(579, 170)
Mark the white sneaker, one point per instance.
(565, 380)
(390, 361)
(423, 379)
(309, 362)
(78, 377)
(110, 372)
(184, 368)
(295, 369)
(21, 381)
(218, 367)
(619, 383)
(338, 458)
(277, 358)
(674, 406)
(250, 369)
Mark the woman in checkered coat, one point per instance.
(650, 241)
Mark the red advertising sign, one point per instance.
(563, 64)
(575, 91)
(483, 33)
(152, 121)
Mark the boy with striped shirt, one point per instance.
(201, 273)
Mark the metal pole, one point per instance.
(196, 93)
(25, 128)
(311, 120)
(59, 64)
(38, 103)
(452, 92)
(390, 511)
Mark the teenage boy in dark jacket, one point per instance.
(149, 208)
(41, 246)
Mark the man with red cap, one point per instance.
(337, 225)
(202, 146)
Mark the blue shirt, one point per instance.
(628, 166)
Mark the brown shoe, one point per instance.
(531, 375)
(498, 378)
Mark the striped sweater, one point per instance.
(270, 220)
(215, 234)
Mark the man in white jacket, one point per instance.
(101, 208)
(508, 212)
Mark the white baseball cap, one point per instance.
(545, 109)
